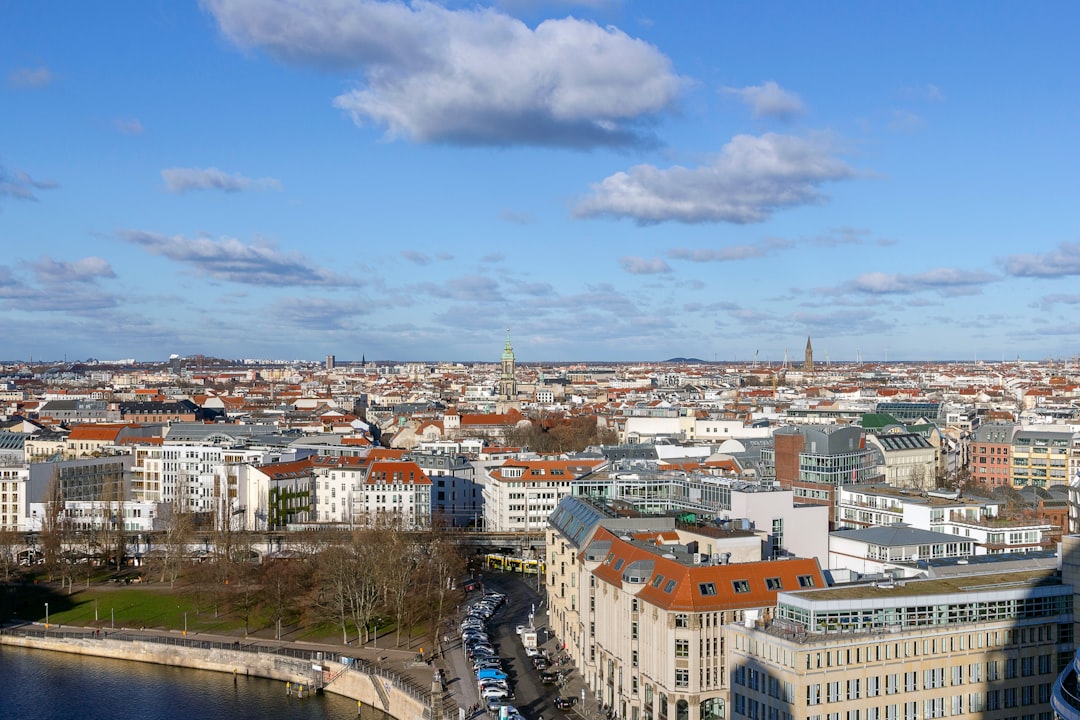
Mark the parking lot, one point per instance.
(489, 664)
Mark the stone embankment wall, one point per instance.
(346, 680)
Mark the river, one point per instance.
(43, 685)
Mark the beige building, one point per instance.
(640, 607)
(973, 646)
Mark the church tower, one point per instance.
(808, 365)
(507, 381)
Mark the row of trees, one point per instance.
(355, 581)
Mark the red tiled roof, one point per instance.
(705, 588)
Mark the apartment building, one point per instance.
(14, 502)
(974, 519)
(786, 527)
(1041, 457)
(641, 609)
(520, 494)
(972, 646)
(813, 461)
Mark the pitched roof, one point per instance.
(672, 585)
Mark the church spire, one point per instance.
(808, 365)
(507, 380)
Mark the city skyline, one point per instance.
(615, 181)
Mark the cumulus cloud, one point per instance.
(128, 126)
(87, 269)
(234, 261)
(1060, 262)
(23, 77)
(182, 180)
(19, 185)
(770, 100)
(732, 252)
(749, 180)
(944, 280)
(473, 76)
(643, 266)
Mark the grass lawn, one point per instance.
(144, 606)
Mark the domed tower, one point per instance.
(507, 381)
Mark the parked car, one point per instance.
(549, 677)
(565, 703)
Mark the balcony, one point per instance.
(1065, 699)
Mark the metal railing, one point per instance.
(401, 683)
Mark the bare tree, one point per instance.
(54, 533)
(10, 542)
(178, 527)
(333, 576)
(280, 584)
(444, 565)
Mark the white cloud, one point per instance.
(22, 77)
(770, 100)
(232, 260)
(87, 269)
(643, 266)
(182, 180)
(750, 179)
(471, 76)
(1061, 262)
(19, 185)
(944, 280)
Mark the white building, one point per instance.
(519, 495)
(977, 519)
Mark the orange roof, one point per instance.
(102, 432)
(287, 470)
(383, 471)
(705, 588)
(548, 469)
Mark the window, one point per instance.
(682, 620)
(707, 588)
(682, 678)
(669, 586)
(806, 581)
(634, 659)
(740, 586)
(774, 584)
(657, 580)
(682, 648)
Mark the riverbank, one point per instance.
(383, 680)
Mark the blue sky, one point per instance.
(612, 180)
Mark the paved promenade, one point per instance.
(444, 682)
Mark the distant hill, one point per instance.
(686, 361)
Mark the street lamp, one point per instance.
(185, 623)
(46, 616)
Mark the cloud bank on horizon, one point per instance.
(614, 180)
